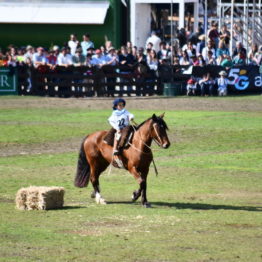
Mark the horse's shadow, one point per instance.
(195, 206)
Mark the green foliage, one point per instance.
(206, 201)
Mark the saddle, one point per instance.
(126, 137)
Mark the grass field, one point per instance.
(206, 200)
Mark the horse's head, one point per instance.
(159, 131)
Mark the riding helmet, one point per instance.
(117, 101)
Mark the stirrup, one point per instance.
(116, 152)
(119, 162)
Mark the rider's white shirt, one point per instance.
(120, 119)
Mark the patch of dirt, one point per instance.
(41, 148)
(145, 103)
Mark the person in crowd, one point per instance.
(141, 58)
(20, 56)
(98, 59)
(10, 60)
(152, 60)
(134, 51)
(224, 35)
(112, 57)
(222, 83)
(108, 45)
(252, 55)
(39, 58)
(86, 43)
(206, 85)
(207, 48)
(176, 61)
(210, 60)
(64, 58)
(125, 58)
(184, 60)
(258, 57)
(78, 59)
(163, 53)
(239, 47)
(73, 43)
(29, 52)
(222, 49)
(226, 61)
(201, 44)
(129, 44)
(51, 59)
(213, 33)
(88, 60)
(130, 54)
(190, 48)
(181, 36)
(237, 34)
(201, 61)
(155, 40)
(104, 51)
(194, 60)
(240, 58)
(191, 87)
(12, 50)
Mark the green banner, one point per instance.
(8, 81)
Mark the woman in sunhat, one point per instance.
(222, 83)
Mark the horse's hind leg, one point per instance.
(94, 177)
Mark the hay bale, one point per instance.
(40, 198)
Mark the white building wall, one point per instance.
(140, 23)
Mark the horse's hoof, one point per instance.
(102, 201)
(147, 205)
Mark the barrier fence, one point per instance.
(119, 80)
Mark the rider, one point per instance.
(119, 119)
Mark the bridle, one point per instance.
(158, 141)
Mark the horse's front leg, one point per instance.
(142, 187)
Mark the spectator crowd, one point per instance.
(187, 49)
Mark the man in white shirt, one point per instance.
(155, 40)
(73, 43)
(64, 58)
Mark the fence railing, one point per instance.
(123, 80)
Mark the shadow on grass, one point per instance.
(196, 206)
(72, 207)
(201, 206)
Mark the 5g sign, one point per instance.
(238, 79)
(8, 82)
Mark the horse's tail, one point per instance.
(83, 168)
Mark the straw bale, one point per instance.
(40, 198)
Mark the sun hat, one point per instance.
(202, 37)
(223, 73)
(111, 48)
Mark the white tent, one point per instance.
(53, 12)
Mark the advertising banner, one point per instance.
(8, 81)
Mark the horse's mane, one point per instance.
(158, 120)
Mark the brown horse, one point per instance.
(95, 155)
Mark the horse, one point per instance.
(95, 156)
